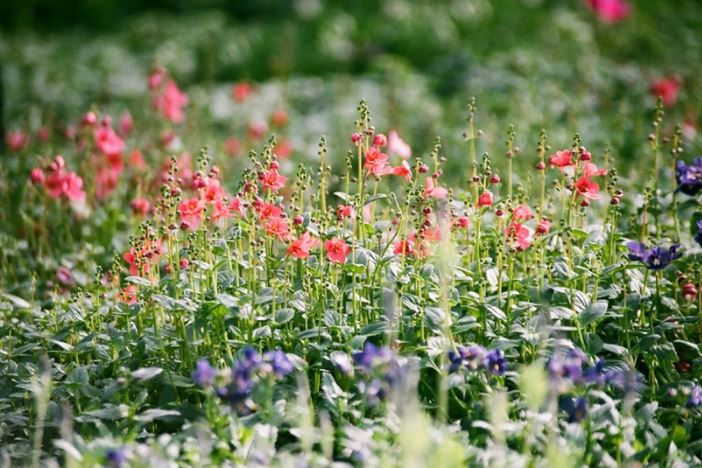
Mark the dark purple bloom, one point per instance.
(655, 258)
(695, 398)
(204, 374)
(371, 356)
(380, 371)
(280, 364)
(469, 356)
(576, 408)
(116, 457)
(698, 236)
(596, 373)
(689, 177)
(495, 362)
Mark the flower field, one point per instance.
(213, 253)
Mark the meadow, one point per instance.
(379, 234)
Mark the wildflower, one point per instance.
(485, 199)
(37, 176)
(337, 249)
(156, 77)
(126, 123)
(241, 91)
(65, 276)
(271, 180)
(403, 170)
(283, 149)
(279, 118)
(587, 188)
(191, 211)
(279, 362)
(689, 291)
(380, 140)
(433, 191)
(344, 211)
(300, 248)
(236, 206)
(128, 295)
(610, 11)
(666, 89)
(470, 357)
(107, 141)
(116, 458)
(495, 361)
(522, 213)
(698, 236)
(16, 140)
(543, 226)
(519, 235)
(376, 162)
(277, 227)
(232, 146)
(396, 146)
(655, 258)
(689, 177)
(462, 222)
(695, 398)
(171, 102)
(575, 408)
(204, 374)
(561, 159)
(403, 247)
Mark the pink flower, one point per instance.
(268, 211)
(376, 162)
(396, 146)
(73, 187)
(140, 206)
(232, 146)
(543, 227)
(300, 248)
(37, 176)
(283, 149)
(587, 188)
(220, 210)
(16, 140)
(279, 118)
(610, 11)
(128, 295)
(171, 102)
(126, 124)
(156, 78)
(107, 140)
(271, 180)
(337, 249)
(519, 235)
(191, 212)
(236, 206)
(433, 191)
(485, 199)
(403, 247)
(65, 276)
(522, 213)
(462, 222)
(561, 159)
(590, 170)
(344, 211)
(241, 91)
(403, 171)
(277, 227)
(106, 182)
(667, 89)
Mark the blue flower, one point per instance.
(495, 362)
(695, 398)
(204, 374)
(380, 371)
(469, 356)
(575, 408)
(655, 258)
(116, 458)
(689, 177)
(280, 364)
(698, 236)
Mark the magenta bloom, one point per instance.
(610, 11)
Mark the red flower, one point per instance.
(337, 249)
(277, 227)
(522, 213)
(485, 199)
(140, 206)
(610, 11)
(344, 211)
(236, 206)
(403, 170)
(667, 89)
(300, 248)
(241, 91)
(376, 162)
(519, 235)
(587, 188)
(16, 140)
(462, 222)
(128, 295)
(107, 141)
(283, 149)
(403, 247)
(433, 191)
(279, 118)
(269, 211)
(156, 78)
(561, 159)
(543, 227)
(271, 180)
(37, 176)
(191, 212)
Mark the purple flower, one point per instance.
(116, 457)
(371, 356)
(342, 362)
(204, 374)
(575, 408)
(695, 398)
(698, 236)
(280, 364)
(655, 258)
(495, 361)
(469, 356)
(625, 380)
(689, 177)
(380, 371)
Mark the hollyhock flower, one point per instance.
(44, 133)
(204, 374)
(485, 199)
(37, 176)
(283, 149)
(128, 295)
(380, 140)
(89, 119)
(610, 11)
(279, 118)
(432, 234)
(277, 227)
(698, 236)
(126, 123)
(591, 170)
(105, 182)
(72, 187)
(272, 180)
(689, 177)
(213, 191)
(236, 206)
(257, 130)
(171, 102)
(136, 160)
(232, 146)
(191, 212)
(433, 191)
(587, 188)
(344, 211)
(519, 235)
(376, 162)
(403, 170)
(156, 78)
(140, 206)
(689, 291)
(241, 91)
(543, 227)
(522, 213)
(396, 146)
(337, 249)
(268, 211)
(220, 210)
(65, 277)
(403, 247)
(300, 248)
(561, 159)
(656, 257)
(667, 89)
(16, 140)
(107, 141)
(462, 222)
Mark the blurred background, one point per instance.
(555, 64)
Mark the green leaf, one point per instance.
(283, 316)
(146, 373)
(495, 312)
(155, 413)
(593, 312)
(16, 301)
(138, 280)
(110, 413)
